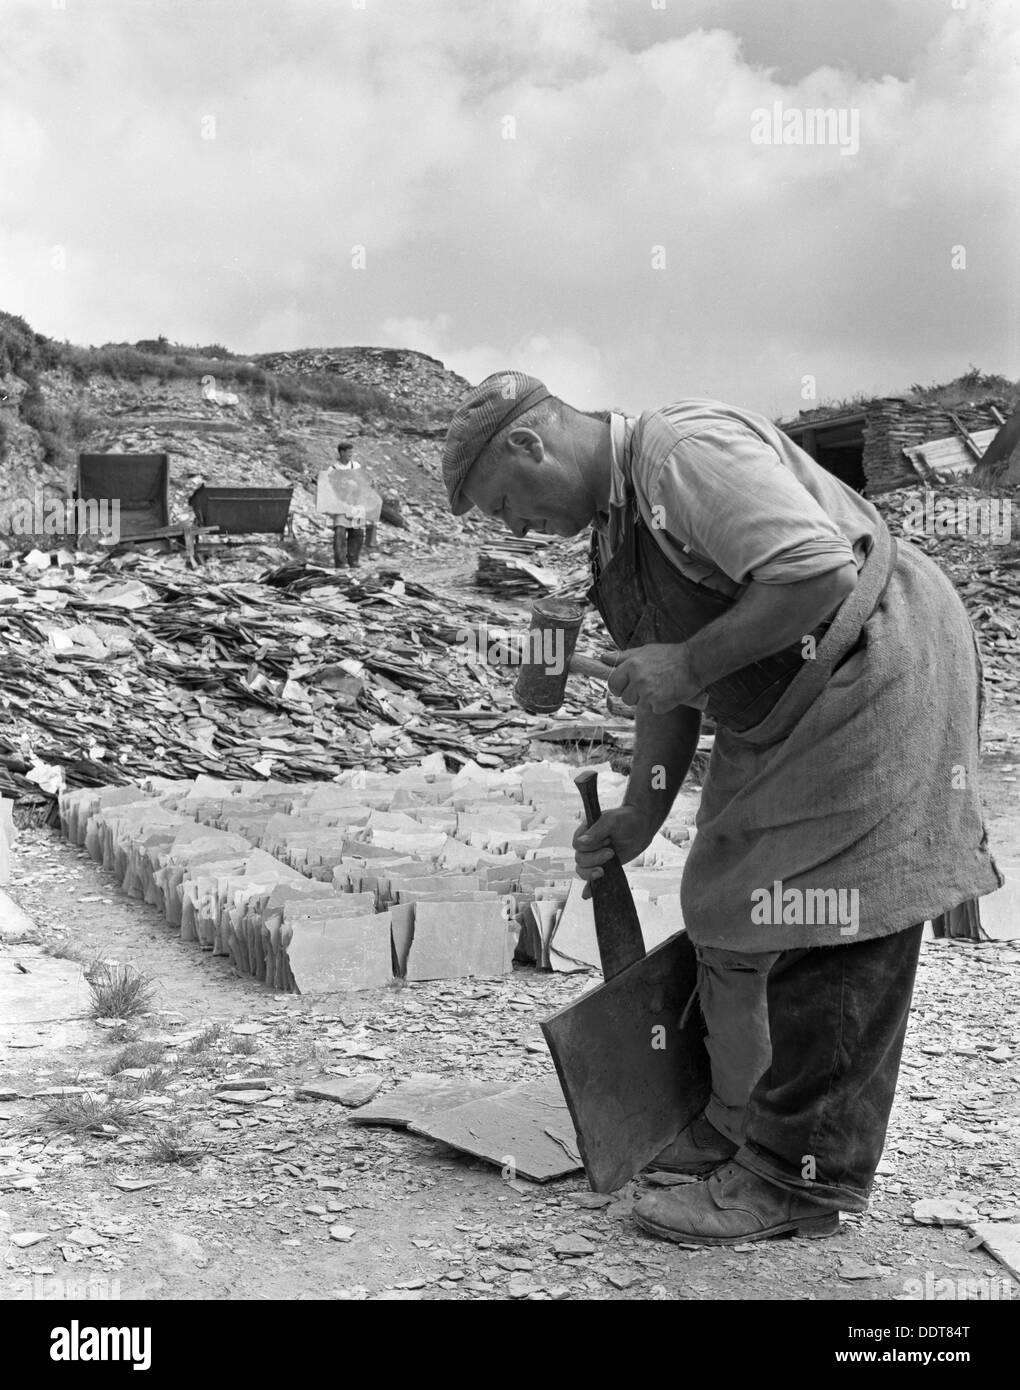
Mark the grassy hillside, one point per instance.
(61, 429)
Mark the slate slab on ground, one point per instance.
(422, 1097)
(343, 1090)
(526, 1129)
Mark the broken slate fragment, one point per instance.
(943, 1211)
(23, 1239)
(510, 1129)
(422, 1095)
(137, 1184)
(84, 1235)
(244, 1097)
(342, 1233)
(522, 1288)
(345, 1090)
(1002, 1241)
(592, 1201)
(572, 1245)
(851, 1268)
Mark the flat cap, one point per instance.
(484, 411)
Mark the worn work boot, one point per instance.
(732, 1206)
(698, 1149)
(355, 537)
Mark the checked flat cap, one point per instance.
(484, 411)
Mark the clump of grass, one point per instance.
(155, 1079)
(123, 1033)
(136, 1054)
(84, 1114)
(63, 949)
(244, 1047)
(204, 1063)
(177, 1145)
(208, 1038)
(118, 991)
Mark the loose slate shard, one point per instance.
(345, 1090)
(1002, 1240)
(423, 1096)
(512, 1130)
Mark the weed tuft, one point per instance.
(208, 1038)
(155, 1079)
(84, 1114)
(177, 1145)
(136, 1054)
(62, 948)
(118, 991)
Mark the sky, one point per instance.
(631, 199)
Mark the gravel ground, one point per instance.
(285, 1198)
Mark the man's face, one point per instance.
(546, 494)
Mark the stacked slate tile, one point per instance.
(326, 886)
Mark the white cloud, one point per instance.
(384, 127)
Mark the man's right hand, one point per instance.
(624, 831)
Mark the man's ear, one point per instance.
(525, 441)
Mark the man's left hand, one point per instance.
(658, 677)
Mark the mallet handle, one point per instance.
(588, 666)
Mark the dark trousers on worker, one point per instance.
(347, 541)
(815, 1119)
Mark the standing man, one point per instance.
(840, 810)
(345, 495)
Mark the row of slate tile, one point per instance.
(342, 885)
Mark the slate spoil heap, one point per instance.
(343, 885)
(985, 571)
(117, 669)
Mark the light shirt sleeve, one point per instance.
(723, 493)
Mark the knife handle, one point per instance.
(617, 927)
(587, 783)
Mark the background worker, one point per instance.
(841, 671)
(352, 504)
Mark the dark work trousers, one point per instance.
(816, 1119)
(347, 545)
(355, 537)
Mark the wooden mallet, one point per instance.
(550, 658)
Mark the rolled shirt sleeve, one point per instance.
(722, 493)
